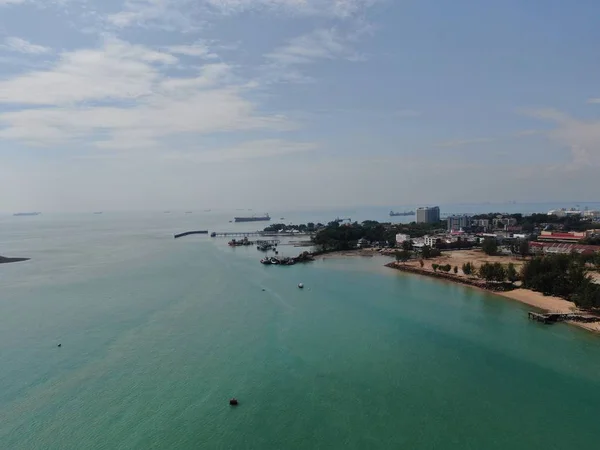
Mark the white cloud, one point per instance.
(198, 49)
(187, 15)
(121, 96)
(582, 137)
(594, 100)
(335, 8)
(165, 14)
(11, 2)
(265, 148)
(118, 70)
(463, 142)
(317, 45)
(16, 44)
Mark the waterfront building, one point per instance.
(431, 241)
(456, 223)
(400, 238)
(428, 214)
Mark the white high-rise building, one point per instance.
(428, 214)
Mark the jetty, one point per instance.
(254, 233)
(550, 318)
(187, 233)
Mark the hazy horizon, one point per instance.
(274, 104)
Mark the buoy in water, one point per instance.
(233, 402)
(300, 285)
(59, 345)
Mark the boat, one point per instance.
(264, 218)
(300, 285)
(27, 214)
(98, 212)
(405, 213)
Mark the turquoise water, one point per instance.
(157, 334)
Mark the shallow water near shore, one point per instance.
(157, 334)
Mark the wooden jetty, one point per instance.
(187, 233)
(549, 318)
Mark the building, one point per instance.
(504, 222)
(456, 223)
(554, 236)
(560, 247)
(431, 241)
(400, 238)
(428, 214)
(481, 223)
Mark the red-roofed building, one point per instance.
(562, 247)
(555, 236)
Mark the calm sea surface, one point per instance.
(157, 334)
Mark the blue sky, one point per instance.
(152, 104)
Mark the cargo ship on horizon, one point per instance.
(27, 214)
(264, 218)
(405, 213)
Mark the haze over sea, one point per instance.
(157, 334)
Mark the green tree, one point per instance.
(426, 251)
(524, 248)
(435, 267)
(492, 272)
(455, 269)
(407, 246)
(435, 252)
(403, 255)
(511, 273)
(468, 268)
(490, 246)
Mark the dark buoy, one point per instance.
(233, 402)
(300, 285)
(60, 345)
(264, 290)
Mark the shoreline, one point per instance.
(528, 297)
(524, 296)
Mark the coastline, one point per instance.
(524, 296)
(534, 299)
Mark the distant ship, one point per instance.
(405, 213)
(264, 218)
(27, 214)
(98, 212)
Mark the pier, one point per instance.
(187, 233)
(549, 318)
(254, 233)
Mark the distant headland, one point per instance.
(5, 260)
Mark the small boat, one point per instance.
(234, 402)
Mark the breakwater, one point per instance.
(187, 233)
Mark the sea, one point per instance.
(157, 334)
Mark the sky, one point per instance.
(183, 104)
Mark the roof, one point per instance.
(556, 247)
(555, 235)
